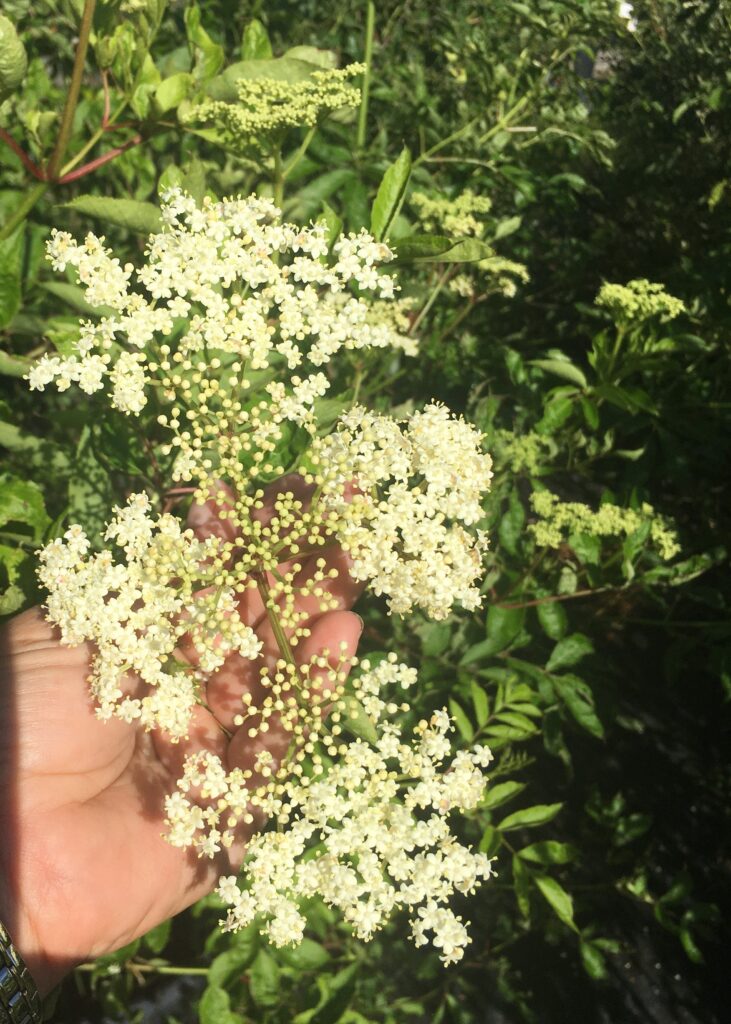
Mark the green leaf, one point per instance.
(308, 201)
(11, 268)
(511, 525)
(390, 195)
(208, 57)
(553, 618)
(549, 852)
(557, 897)
(506, 227)
(264, 981)
(357, 721)
(562, 368)
(215, 1007)
(142, 218)
(569, 651)
(579, 701)
(521, 886)
(157, 938)
(21, 502)
(73, 296)
(231, 963)
(441, 249)
(555, 414)
(171, 92)
(479, 702)
(255, 44)
(13, 59)
(530, 817)
(503, 626)
(496, 796)
(593, 961)
(305, 956)
(281, 69)
(325, 60)
(463, 723)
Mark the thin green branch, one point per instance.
(366, 85)
(67, 119)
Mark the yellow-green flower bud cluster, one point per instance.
(369, 834)
(559, 519)
(638, 301)
(268, 106)
(458, 216)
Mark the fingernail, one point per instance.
(362, 623)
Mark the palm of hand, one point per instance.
(83, 868)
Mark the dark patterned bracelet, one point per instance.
(20, 1002)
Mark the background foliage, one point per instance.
(598, 671)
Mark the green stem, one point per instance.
(431, 300)
(152, 969)
(366, 86)
(28, 202)
(279, 635)
(296, 157)
(72, 97)
(98, 134)
(278, 179)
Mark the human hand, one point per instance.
(83, 868)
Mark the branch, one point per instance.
(77, 75)
(30, 165)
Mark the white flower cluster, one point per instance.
(417, 488)
(232, 279)
(369, 834)
(136, 611)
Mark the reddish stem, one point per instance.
(80, 172)
(29, 164)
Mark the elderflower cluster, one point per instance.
(638, 301)
(267, 107)
(418, 488)
(559, 519)
(137, 610)
(451, 216)
(228, 279)
(369, 834)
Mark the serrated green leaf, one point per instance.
(553, 618)
(230, 963)
(557, 897)
(530, 817)
(579, 701)
(157, 938)
(307, 955)
(215, 1007)
(496, 796)
(549, 852)
(479, 703)
(555, 414)
(264, 980)
(521, 886)
(569, 651)
(510, 529)
(255, 44)
(562, 368)
(171, 92)
(593, 961)
(390, 195)
(11, 266)
(208, 57)
(465, 727)
(141, 218)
